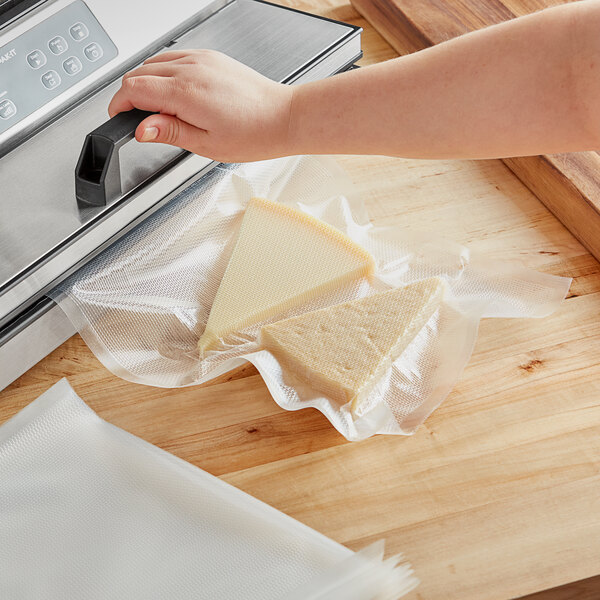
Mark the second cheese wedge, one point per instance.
(343, 350)
(282, 258)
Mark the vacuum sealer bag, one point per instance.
(91, 511)
(143, 303)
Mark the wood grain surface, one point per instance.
(566, 183)
(497, 495)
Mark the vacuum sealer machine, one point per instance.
(60, 63)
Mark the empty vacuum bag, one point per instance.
(90, 511)
(142, 305)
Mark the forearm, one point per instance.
(524, 87)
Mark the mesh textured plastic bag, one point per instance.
(90, 511)
(142, 304)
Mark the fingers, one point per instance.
(147, 87)
(165, 129)
(168, 69)
(152, 86)
(169, 56)
(143, 85)
(156, 94)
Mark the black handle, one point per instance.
(98, 172)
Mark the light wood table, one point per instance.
(498, 494)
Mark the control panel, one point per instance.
(48, 59)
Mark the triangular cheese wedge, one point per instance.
(283, 257)
(343, 350)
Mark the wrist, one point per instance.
(294, 128)
(272, 131)
(311, 116)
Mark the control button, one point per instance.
(72, 65)
(93, 52)
(58, 45)
(7, 109)
(36, 59)
(51, 79)
(78, 31)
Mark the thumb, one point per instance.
(166, 129)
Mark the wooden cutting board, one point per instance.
(568, 184)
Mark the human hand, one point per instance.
(209, 104)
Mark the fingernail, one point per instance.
(150, 133)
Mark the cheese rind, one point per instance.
(282, 258)
(345, 349)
